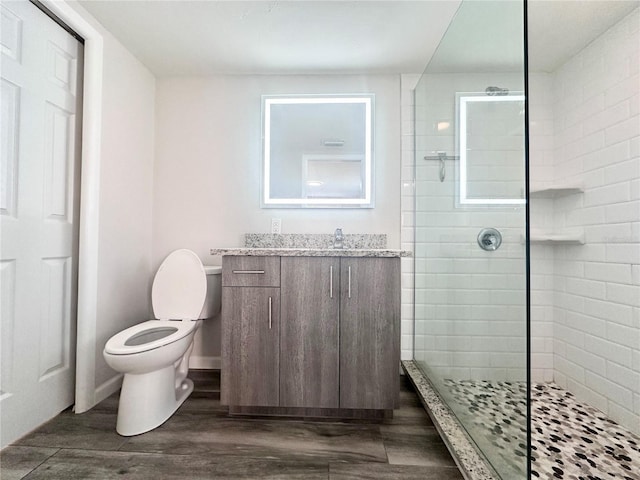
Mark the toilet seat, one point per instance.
(179, 287)
(168, 331)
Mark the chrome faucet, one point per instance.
(338, 239)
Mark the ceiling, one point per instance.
(187, 37)
(184, 37)
(558, 29)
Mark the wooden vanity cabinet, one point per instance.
(334, 341)
(309, 335)
(369, 332)
(250, 331)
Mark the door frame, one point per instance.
(85, 388)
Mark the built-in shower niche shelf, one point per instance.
(554, 191)
(573, 237)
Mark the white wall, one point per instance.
(208, 168)
(597, 285)
(126, 192)
(126, 187)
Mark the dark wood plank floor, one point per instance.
(202, 442)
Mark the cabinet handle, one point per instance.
(270, 310)
(248, 271)
(349, 277)
(331, 281)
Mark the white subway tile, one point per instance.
(609, 233)
(569, 335)
(588, 361)
(585, 323)
(406, 354)
(560, 378)
(635, 273)
(609, 350)
(568, 302)
(609, 389)
(624, 294)
(608, 310)
(624, 252)
(623, 376)
(569, 369)
(622, 90)
(635, 190)
(623, 212)
(586, 288)
(634, 147)
(606, 195)
(586, 216)
(586, 394)
(606, 156)
(622, 171)
(542, 360)
(627, 336)
(624, 130)
(608, 272)
(569, 268)
(634, 102)
(618, 413)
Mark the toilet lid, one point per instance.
(179, 287)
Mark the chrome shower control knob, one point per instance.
(489, 239)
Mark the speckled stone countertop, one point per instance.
(311, 252)
(314, 240)
(312, 245)
(460, 445)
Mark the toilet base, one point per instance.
(148, 400)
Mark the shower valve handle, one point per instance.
(489, 239)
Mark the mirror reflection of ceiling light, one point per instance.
(314, 183)
(443, 126)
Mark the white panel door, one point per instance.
(39, 201)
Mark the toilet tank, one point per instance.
(213, 299)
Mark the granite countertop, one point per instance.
(311, 252)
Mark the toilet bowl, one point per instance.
(154, 355)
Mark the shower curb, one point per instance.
(464, 452)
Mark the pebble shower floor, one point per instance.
(570, 440)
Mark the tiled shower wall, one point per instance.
(542, 255)
(470, 317)
(596, 286)
(407, 85)
(585, 298)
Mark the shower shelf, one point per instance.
(553, 191)
(566, 238)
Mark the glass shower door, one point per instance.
(470, 333)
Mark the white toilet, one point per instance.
(154, 355)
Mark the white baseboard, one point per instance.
(108, 388)
(204, 363)
(112, 385)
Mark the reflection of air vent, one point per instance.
(333, 143)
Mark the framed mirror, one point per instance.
(491, 147)
(317, 151)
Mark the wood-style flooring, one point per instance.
(202, 442)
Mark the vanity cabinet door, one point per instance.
(250, 346)
(369, 333)
(309, 344)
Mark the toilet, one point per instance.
(154, 355)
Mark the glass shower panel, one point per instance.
(470, 332)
